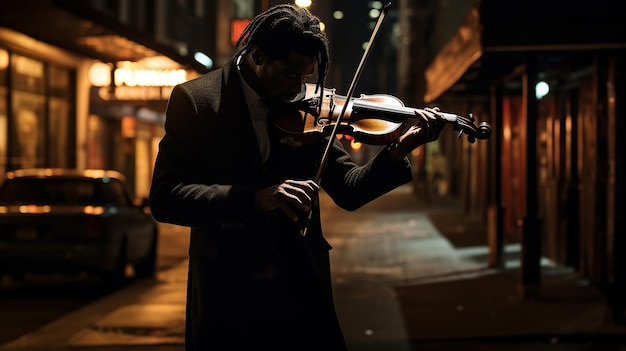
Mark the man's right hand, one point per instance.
(290, 194)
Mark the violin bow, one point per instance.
(333, 134)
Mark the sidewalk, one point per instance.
(447, 297)
(400, 285)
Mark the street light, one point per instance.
(303, 3)
(541, 89)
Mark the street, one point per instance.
(38, 300)
(399, 285)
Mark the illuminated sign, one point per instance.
(149, 77)
(134, 93)
(131, 81)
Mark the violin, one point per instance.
(372, 119)
(377, 119)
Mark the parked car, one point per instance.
(71, 221)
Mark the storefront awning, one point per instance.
(496, 37)
(456, 56)
(73, 26)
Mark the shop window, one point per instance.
(28, 109)
(60, 128)
(41, 129)
(4, 63)
(99, 144)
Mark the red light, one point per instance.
(236, 28)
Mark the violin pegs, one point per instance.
(471, 117)
(460, 133)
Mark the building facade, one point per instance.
(549, 77)
(85, 83)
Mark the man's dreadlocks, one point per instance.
(283, 28)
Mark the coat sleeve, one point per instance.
(179, 194)
(352, 186)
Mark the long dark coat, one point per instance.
(206, 173)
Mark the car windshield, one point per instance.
(52, 191)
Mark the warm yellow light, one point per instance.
(100, 74)
(34, 209)
(355, 145)
(159, 62)
(303, 3)
(132, 74)
(506, 133)
(4, 59)
(93, 210)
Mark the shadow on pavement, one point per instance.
(484, 310)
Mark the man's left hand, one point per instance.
(427, 129)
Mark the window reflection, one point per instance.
(28, 111)
(41, 108)
(4, 63)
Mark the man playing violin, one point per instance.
(254, 282)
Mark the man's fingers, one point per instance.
(433, 123)
(300, 194)
(299, 199)
(289, 196)
(288, 211)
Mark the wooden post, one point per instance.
(495, 214)
(531, 236)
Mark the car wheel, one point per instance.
(117, 277)
(147, 266)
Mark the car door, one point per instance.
(132, 221)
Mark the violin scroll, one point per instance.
(465, 125)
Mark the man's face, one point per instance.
(281, 80)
